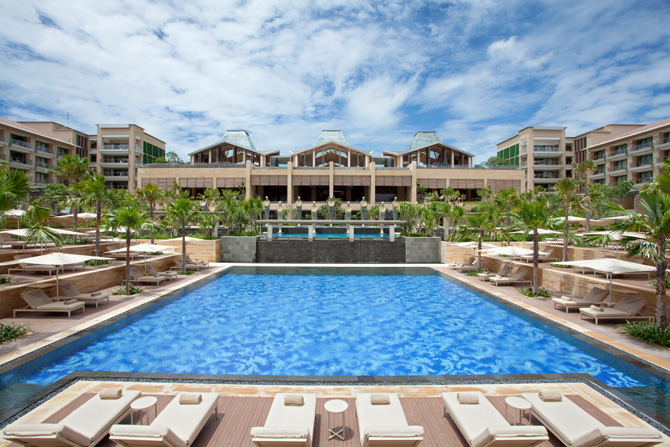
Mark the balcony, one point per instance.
(618, 172)
(539, 166)
(22, 146)
(111, 163)
(618, 155)
(3, 141)
(642, 167)
(661, 158)
(20, 163)
(663, 143)
(597, 175)
(44, 152)
(115, 148)
(641, 149)
(42, 167)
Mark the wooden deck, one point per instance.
(237, 415)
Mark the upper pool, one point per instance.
(333, 322)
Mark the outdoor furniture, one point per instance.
(457, 265)
(548, 256)
(6, 239)
(289, 422)
(595, 296)
(504, 272)
(574, 427)
(469, 268)
(382, 422)
(38, 301)
(202, 263)
(167, 275)
(483, 426)
(137, 277)
(84, 427)
(627, 308)
(514, 278)
(69, 290)
(178, 425)
(27, 268)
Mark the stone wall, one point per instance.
(238, 248)
(422, 250)
(332, 251)
(202, 250)
(87, 280)
(7, 255)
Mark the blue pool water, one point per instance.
(341, 322)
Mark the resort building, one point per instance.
(636, 155)
(34, 151)
(331, 168)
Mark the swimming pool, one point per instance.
(332, 322)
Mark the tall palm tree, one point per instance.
(133, 219)
(532, 215)
(480, 225)
(505, 200)
(94, 193)
(72, 169)
(151, 194)
(566, 189)
(37, 217)
(184, 211)
(14, 188)
(582, 171)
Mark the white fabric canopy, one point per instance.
(144, 248)
(472, 244)
(511, 251)
(188, 239)
(539, 231)
(15, 213)
(570, 219)
(85, 216)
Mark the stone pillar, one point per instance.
(392, 233)
(310, 232)
(373, 187)
(350, 231)
(247, 181)
(331, 179)
(269, 232)
(289, 184)
(413, 192)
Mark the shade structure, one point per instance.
(20, 232)
(539, 231)
(188, 239)
(84, 216)
(613, 236)
(570, 219)
(511, 251)
(23, 232)
(144, 248)
(15, 213)
(471, 244)
(67, 232)
(58, 260)
(610, 267)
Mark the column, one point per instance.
(269, 232)
(373, 181)
(331, 179)
(247, 181)
(289, 184)
(413, 196)
(392, 233)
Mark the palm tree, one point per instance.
(566, 190)
(72, 169)
(94, 193)
(480, 224)
(582, 170)
(38, 229)
(505, 200)
(184, 211)
(151, 194)
(454, 216)
(14, 188)
(133, 219)
(532, 215)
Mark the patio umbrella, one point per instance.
(607, 237)
(18, 214)
(539, 231)
(610, 267)
(58, 260)
(511, 251)
(84, 216)
(188, 239)
(144, 248)
(570, 219)
(67, 232)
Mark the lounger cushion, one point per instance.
(295, 400)
(468, 398)
(409, 431)
(111, 393)
(550, 396)
(145, 431)
(44, 431)
(61, 306)
(509, 432)
(380, 399)
(190, 398)
(621, 434)
(186, 421)
(280, 432)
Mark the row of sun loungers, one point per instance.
(290, 423)
(70, 300)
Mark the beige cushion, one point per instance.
(111, 393)
(634, 435)
(190, 398)
(294, 399)
(130, 432)
(409, 431)
(391, 415)
(96, 293)
(468, 398)
(550, 395)
(380, 399)
(280, 432)
(43, 432)
(518, 432)
(71, 301)
(186, 421)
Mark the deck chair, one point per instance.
(548, 256)
(627, 308)
(504, 272)
(514, 278)
(457, 265)
(84, 427)
(38, 301)
(167, 275)
(483, 426)
(177, 425)
(28, 268)
(382, 422)
(69, 290)
(137, 277)
(6, 239)
(191, 261)
(290, 422)
(574, 427)
(596, 295)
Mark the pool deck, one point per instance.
(244, 406)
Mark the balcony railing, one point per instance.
(23, 161)
(116, 147)
(641, 147)
(542, 175)
(109, 161)
(21, 143)
(115, 174)
(44, 150)
(599, 156)
(546, 149)
(2, 140)
(619, 152)
(663, 140)
(42, 165)
(544, 163)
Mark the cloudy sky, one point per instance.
(476, 71)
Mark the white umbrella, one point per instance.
(188, 239)
(539, 231)
(511, 251)
(67, 232)
(610, 267)
(570, 219)
(471, 244)
(615, 236)
(15, 213)
(58, 260)
(144, 248)
(20, 232)
(84, 216)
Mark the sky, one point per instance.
(475, 71)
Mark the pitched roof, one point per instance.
(637, 131)
(31, 130)
(331, 136)
(423, 139)
(238, 138)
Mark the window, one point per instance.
(645, 177)
(645, 160)
(40, 177)
(622, 164)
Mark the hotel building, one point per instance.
(331, 168)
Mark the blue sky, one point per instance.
(475, 71)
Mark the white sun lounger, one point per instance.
(483, 426)
(38, 301)
(595, 296)
(287, 425)
(457, 265)
(385, 425)
(84, 427)
(514, 278)
(627, 308)
(574, 427)
(69, 290)
(176, 426)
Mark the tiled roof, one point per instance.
(331, 136)
(423, 139)
(637, 131)
(29, 129)
(238, 138)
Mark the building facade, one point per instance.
(330, 168)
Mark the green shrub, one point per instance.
(9, 332)
(6, 279)
(647, 331)
(93, 262)
(561, 266)
(541, 292)
(185, 272)
(474, 272)
(243, 233)
(122, 291)
(667, 282)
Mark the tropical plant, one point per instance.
(454, 216)
(151, 195)
(479, 226)
(54, 194)
(183, 210)
(541, 292)
(530, 216)
(566, 189)
(409, 212)
(72, 169)
(38, 231)
(505, 200)
(648, 331)
(132, 219)
(94, 192)
(582, 171)
(14, 188)
(12, 331)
